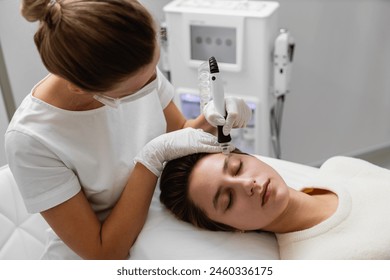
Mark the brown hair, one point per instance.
(92, 44)
(174, 193)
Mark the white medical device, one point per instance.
(211, 87)
(241, 36)
(283, 57)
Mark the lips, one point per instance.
(264, 196)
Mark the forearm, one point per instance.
(77, 225)
(121, 228)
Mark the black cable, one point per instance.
(276, 124)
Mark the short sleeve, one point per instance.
(166, 91)
(44, 181)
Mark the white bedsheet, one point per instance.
(164, 237)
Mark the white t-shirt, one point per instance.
(53, 153)
(360, 227)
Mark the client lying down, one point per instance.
(343, 215)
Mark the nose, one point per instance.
(249, 186)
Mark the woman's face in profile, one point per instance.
(238, 190)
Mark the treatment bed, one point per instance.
(22, 235)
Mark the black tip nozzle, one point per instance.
(213, 65)
(222, 138)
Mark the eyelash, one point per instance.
(239, 168)
(230, 192)
(230, 200)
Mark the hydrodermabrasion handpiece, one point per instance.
(218, 95)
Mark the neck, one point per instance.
(57, 92)
(305, 210)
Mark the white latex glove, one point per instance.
(176, 144)
(238, 114)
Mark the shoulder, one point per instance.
(354, 172)
(165, 89)
(350, 165)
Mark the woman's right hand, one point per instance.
(174, 145)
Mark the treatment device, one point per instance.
(211, 88)
(254, 59)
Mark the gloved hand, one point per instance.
(176, 144)
(238, 114)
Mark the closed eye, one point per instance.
(239, 168)
(230, 201)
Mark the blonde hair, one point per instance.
(92, 44)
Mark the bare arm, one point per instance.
(77, 225)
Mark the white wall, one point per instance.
(156, 8)
(340, 100)
(24, 66)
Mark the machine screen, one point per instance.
(207, 41)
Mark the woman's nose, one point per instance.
(249, 186)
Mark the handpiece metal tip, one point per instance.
(225, 149)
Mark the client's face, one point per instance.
(238, 190)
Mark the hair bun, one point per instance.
(53, 13)
(48, 11)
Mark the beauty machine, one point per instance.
(254, 60)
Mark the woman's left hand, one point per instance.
(176, 144)
(238, 114)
